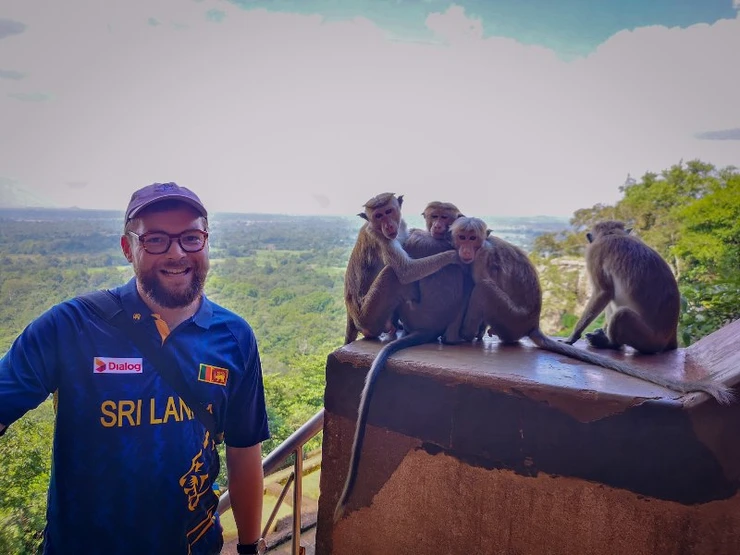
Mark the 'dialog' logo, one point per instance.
(108, 365)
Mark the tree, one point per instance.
(26, 454)
(652, 205)
(709, 245)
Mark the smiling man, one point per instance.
(133, 465)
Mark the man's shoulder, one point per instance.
(224, 316)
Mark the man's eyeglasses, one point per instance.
(158, 242)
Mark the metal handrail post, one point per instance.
(297, 497)
(275, 509)
(272, 461)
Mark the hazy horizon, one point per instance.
(413, 217)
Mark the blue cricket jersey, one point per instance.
(132, 467)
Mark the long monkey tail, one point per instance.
(411, 340)
(720, 392)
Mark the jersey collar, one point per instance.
(133, 304)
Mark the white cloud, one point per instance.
(454, 25)
(282, 112)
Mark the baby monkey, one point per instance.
(507, 297)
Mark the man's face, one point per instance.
(173, 279)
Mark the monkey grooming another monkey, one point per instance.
(635, 286)
(372, 294)
(507, 297)
(438, 309)
(438, 216)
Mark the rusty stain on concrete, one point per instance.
(499, 512)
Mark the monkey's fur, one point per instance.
(507, 297)
(439, 308)
(635, 286)
(372, 295)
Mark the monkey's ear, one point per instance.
(363, 216)
(460, 215)
(590, 237)
(488, 232)
(628, 230)
(400, 200)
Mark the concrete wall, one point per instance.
(486, 448)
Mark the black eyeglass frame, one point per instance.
(171, 237)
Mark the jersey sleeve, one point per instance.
(28, 371)
(246, 416)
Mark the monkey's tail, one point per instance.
(412, 339)
(719, 391)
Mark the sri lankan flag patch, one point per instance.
(213, 374)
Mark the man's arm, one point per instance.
(246, 489)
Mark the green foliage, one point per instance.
(296, 311)
(710, 245)
(653, 205)
(31, 284)
(295, 396)
(25, 451)
(559, 244)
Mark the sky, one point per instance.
(504, 107)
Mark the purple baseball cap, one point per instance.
(156, 192)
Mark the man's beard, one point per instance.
(152, 285)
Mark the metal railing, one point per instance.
(271, 464)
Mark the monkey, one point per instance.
(378, 267)
(635, 286)
(438, 308)
(507, 297)
(438, 216)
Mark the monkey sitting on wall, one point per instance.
(438, 216)
(372, 295)
(441, 301)
(507, 297)
(635, 286)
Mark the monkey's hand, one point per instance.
(572, 339)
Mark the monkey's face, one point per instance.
(467, 246)
(438, 222)
(468, 235)
(467, 243)
(385, 219)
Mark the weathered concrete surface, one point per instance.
(513, 450)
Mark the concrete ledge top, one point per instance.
(543, 375)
